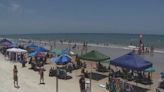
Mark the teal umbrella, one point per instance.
(151, 69)
(56, 51)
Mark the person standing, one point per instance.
(41, 72)
(15, 76)
(82, 83)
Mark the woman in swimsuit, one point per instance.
(15, 76)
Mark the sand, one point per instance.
(29, 79)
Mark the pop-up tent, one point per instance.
(94, 56)
(16, 51)
(132, 61)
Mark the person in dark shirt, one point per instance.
(82, 83)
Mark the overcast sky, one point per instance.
(93, 16)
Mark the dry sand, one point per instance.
(29, 80)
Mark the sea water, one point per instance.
(117, 39)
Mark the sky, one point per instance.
(81, 16)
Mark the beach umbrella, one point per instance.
(32, 54)
(38, 54)
(61, 59)
(41, 54)
(6, 43)
(132, 61)
(56, 51)
(66, 51)
(41, 49)
(32, 45)
(94, 56)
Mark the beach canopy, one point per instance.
(131, 61)
(6, 43)
(17, 50)
(61, 59)
(94, 56)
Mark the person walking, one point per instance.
(82, 83)
(15, 76)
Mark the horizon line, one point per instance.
(75, 33)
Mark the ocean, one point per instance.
(117, 39)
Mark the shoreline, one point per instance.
(101, 45)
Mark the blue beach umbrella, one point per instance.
(32, 54)
(32, 45)
(6, 43)
(61, 59)
(41, 49)
(66, 51)
(39, 54)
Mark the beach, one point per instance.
(29, 79)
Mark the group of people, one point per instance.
(37, 62)
(143, 50)
(116, 85)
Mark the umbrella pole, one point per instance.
(56, 84)
(16, 57)
(91, 78)
(57, 79)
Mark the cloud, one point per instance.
(14, 8)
